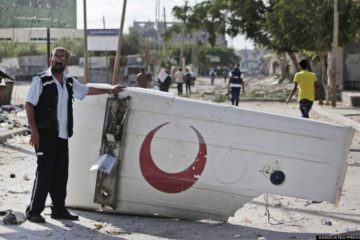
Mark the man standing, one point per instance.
(179, 79)
(50, 117)
(188, 80)
(212, 76)
(142, 79)
(235, 84)
(306, 81)
(225, 75)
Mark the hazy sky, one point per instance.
(136, 10)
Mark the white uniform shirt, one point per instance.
(179, 77)
(79, 92)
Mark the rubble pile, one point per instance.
(12, 117)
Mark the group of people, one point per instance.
(305, 82)
(235, 84)
(181, 78)
(213, 75)
(164, 80)
(50, 116)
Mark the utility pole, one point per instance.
(103, 22)
(157, 11)
(157, 27)
(193, 49)
(334, 51)
(86, 62)
(48, 45)
(181, 61)
(164, 19)
(115, 79)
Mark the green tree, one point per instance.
(306, 26)
(284, 26)
(29, 49)
(8, 49)
(132, 43)
(74, 46)
(280, 25)
(16, 49)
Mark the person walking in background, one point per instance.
(193, 78)
(212, 76)
(142, 79)
(306, 82)
(50, 116)
(188, 82)
(179, 79)
(235, 84)
(225, 75)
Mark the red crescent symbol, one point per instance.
(171, 182)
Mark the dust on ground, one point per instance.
(266, 217)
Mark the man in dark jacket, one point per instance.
(49, 113)
(235, 84)
(188, 81)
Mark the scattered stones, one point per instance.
(98, 226)
(326, 222)
(117, 232)
(26, 177)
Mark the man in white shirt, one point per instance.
(179, 79)
(49, 113)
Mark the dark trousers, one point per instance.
(235, 95)
(188, 89)
(164, 86)
(180, 89)
(51, 175)
(305, 107)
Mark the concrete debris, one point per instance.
(13, 217)
(12, 108)
(17, 139)
(98, 226)
(12, 116)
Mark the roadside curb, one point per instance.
(10, 133)
(344, 120)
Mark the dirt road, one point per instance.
(289, 218)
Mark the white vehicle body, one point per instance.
(184, 158)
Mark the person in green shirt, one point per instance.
(305, 81)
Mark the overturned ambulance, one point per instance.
(183, 158)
